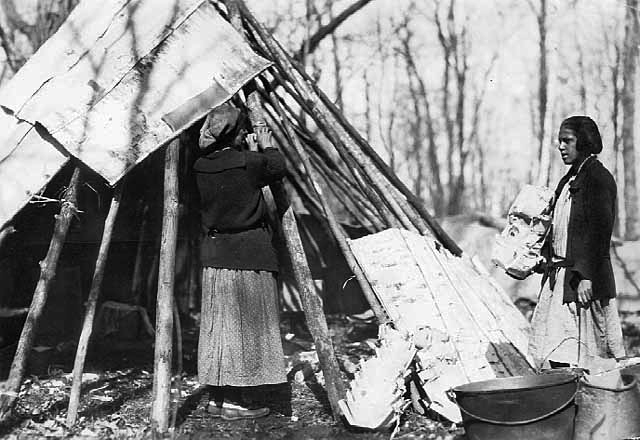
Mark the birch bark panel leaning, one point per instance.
(422, 285)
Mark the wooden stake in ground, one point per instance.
(166, 282)
(9, 392)
(92, 301)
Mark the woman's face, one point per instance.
(567, 145)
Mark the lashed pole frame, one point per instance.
(334, 226)
(404, 206)
(9, 392)
(311, 302)
(353, 264)
(92, 301)
(166, 282)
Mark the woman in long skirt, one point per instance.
(576, 320)
(239, 344)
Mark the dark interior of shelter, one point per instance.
(130, 282)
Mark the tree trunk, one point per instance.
(92, 301)
(47, 274)
(435, 184)
(166, 282)
(337, 68)
(615, 113)
(629, 66)
(543, 81)
(312, 43)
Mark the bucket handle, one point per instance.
(452, 396)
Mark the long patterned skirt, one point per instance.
(558, 329)
(239, 341)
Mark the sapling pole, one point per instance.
(356, 171)
(335, 227)
(438, 232)
(166, 283)
(324, 157)
(178, 332)
(359, 202)
(311, 302)
(92, 301)
(343, 195)
(333, 131)
(382, 179)
(9, 391)
(378, 201)
(396, 217)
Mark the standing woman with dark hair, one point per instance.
(576, 320)
(239, 344)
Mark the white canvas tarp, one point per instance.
(103, 83)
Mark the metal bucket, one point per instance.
(521, 407)
(608, 410)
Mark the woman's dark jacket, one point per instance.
(233, 209)
(593, 194)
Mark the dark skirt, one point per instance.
(239, 341)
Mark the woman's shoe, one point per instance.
(230, 411)
(214, 410)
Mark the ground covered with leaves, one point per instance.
(118, 380)
(117, 383)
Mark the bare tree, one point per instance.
(49, 15)
(455, 47)
(543, 85)
(629, 67)
(337, 76)
(313, 41)
(421, 98)
(615, 64)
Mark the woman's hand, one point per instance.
(265, 137)
(252, 142)
(585, 292)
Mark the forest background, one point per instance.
(462, 98)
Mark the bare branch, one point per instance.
(9, 51)
(308, 46)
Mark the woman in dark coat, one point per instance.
(239, 343)
(576, 320)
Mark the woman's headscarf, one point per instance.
(221, 127)
(587, 133)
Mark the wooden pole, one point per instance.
(166, 282)
(439, 233)
(311, 302)
(331, 172)
(325, 160)
(136, 282)
(9, 392)
(92, 301)
(178, 327)
(344, 144)
(335, 227)
(358, 173)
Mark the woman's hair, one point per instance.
(587, 133)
